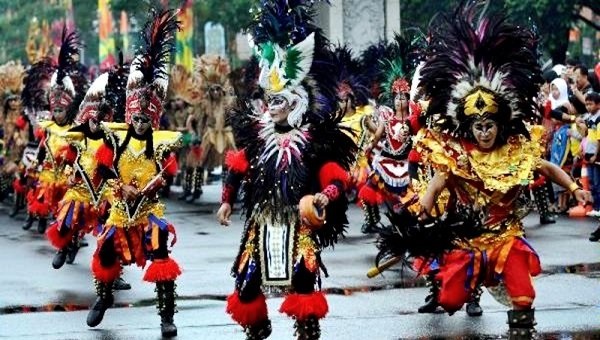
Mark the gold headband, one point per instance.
(480, 102)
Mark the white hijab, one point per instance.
(563, 98)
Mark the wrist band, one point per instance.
(573, 187)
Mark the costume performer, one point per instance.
(83, 208)
(295, 151)
(183, 100)
(389, 179)
(36, 105)
(135, 230)
(67, 89)
(353, 95)
(13, 126)
(482, 77)
(212, 74)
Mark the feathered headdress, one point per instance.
(11, 81)
(105, 99)
(289, 44)
(36, 88)
(370, 60)
(397, 67)
(181, 86)
(63, 92)
(211, 73)
(481, 66)
(148, 79)
(349, 77)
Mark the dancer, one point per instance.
(294, 162)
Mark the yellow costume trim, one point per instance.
(501, 169)
(480, 102)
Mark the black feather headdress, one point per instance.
(349, 77)
(148, 79)
(481, 66)
(105, 99)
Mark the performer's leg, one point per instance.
(473, 307)
(304, 304)
(431, 300)
(542, 203)
(372, 218)
(455, 289)
(105, 269)
(519, 286)
(164, 271)
(197, 184)
(186, 184)
(247, 304)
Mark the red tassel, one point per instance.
(39, 134)
(67, 154)
(247, 314)
(331, 172)
(103, 274)
(303, 306)
(21, 123)
(170, 165)
(105, 156)
(162, 270)
(57, 240)
(18, 187)
(35, 207)
(537, 183)
(236, 161)
(370, 196)
(414, 156)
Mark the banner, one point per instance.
(105, 36)
(184, 53)
(124, 31)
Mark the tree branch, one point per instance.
(591, 23)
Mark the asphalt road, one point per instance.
(34, 296)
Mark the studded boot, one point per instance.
(308, 329)
(197, 185)
(260, 331)
(103, 302)
(521, 324)
(541, 201)
(473, 307)
(431, 304)
(165, 293)
(187, 184)
(372, 218)
(28, 222)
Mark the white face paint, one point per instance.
(485, 132)
(140, 123)
(279, 109)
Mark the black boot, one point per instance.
(187, 185)
(165, 292)
(59, 258)
(260, 331)
(595, 235)
(372, 219)
(121, 284)
(42, 223)
(520, 324)
(431, 304)
(17, 205)
(308, 329)
(72, 250)
(103, 302)
(542, 202)
(473, 307)
(197, 189)
(28, 222)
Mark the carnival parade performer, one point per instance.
(389, 179)
(353, 96)
(135, 231)
(294, 162)
(55, 157)
(482, 77)
(83, 208)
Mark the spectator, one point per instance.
(580, 86)
(592, 104)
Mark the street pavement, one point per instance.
(34, 297)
